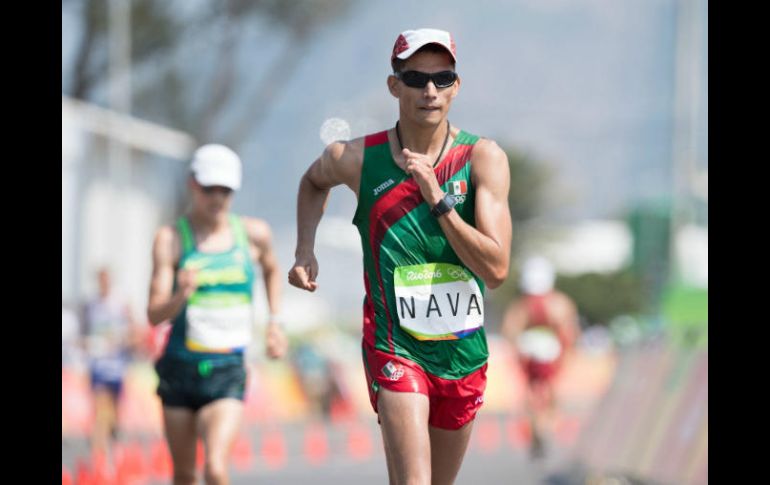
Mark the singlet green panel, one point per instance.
(224, 278)
(397, 230)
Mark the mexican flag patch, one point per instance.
(458, 187)
(393, 371)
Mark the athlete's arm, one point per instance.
(484, 249)
(261, 237)
(163, 304)
(339, 164)
(134, 330)
(566, 317)
(514, 321)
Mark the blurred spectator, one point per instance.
(315, 374)
(596, 340)
(111, 335)
(542, 325)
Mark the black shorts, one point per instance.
(194, 384)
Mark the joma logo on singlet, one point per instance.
(409, 306)
(383, 186)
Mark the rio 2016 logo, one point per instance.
(424, 275)
(454, 273)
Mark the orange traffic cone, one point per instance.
(316, 444)
(83, 473)
(243, 455)
(102, 470)
(66, 476)
(160, 461)
(488, 435)
(519, 432)
(360, 445)
(274, 449)
(131, 467)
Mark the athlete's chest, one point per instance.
(226, 268)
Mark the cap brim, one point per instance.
(209, 181)
(412, 49)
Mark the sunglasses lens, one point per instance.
(444, 79)
(415, 79)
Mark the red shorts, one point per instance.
(453, 402)
(540, 371)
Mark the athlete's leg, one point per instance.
(219, 423)
(105, 419)
(548, 410)
(404, 425)
(115, 389)
(447, 449)
(538, 404)
(548, 400)
(181, 434)
(391, 468)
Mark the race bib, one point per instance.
(540, 344)
(218, 323)
(438, 301)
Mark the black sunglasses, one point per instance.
(417, 79)
(211, 189)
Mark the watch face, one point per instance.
(444, 205)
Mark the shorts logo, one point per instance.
(392, 371)
(458, 189)
(479, 400)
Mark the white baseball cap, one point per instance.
(409, 41)
(216, 165)
(537, 276)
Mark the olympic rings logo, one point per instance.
(457, 273)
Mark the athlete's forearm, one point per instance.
(480, 253)
(273, 289)
(160, 311)
(311, 203)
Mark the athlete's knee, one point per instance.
(185, 476)
(408, 469)
(418, 480)
(414, 477)
(215, 471)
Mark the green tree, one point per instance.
(599, 297)
(530, 179)
(528, 199)
(158, 28)
(602, 296)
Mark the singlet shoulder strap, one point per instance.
(186, 234)
(239, 231)
(465, 138)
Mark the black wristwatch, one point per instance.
(444, 205)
